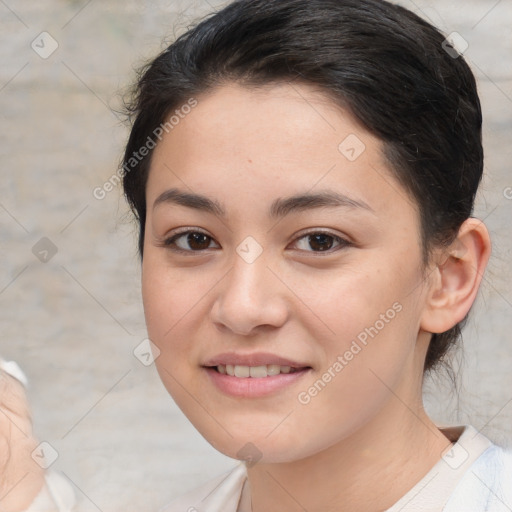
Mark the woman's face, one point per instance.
(331, 285)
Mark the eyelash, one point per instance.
(170, 242)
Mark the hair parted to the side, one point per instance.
(376, 60)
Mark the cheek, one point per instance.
(168, 293)
(166, 303)
(364, 369)
(165, 299)
(352, 302)
(373, 320)
(175, 306)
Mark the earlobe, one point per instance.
(456, 278)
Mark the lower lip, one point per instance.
(251, 387)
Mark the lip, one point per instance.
(251, 387)
(254, 359)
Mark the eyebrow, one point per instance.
(279, 208)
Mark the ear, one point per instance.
(456, 277)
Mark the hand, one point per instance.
(21, 478)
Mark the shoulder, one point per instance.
(219, 493)
(486, 485)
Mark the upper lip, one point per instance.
(255, 359)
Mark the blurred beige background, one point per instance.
(72, 322)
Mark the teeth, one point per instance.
(256, 372)
(273, 369)
(242, 371)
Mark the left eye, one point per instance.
(321, 242)
(197, 241)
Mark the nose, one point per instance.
(250, 298)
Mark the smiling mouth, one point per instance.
(256, 372)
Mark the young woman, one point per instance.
(303, 173)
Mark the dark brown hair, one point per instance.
(392, 70)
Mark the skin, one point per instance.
(365, 439)
(21, 478)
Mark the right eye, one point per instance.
(188, 241)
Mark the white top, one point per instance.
(57, 495)
(475, 475)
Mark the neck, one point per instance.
(368, 471)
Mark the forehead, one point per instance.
(251, 143)
(288, 118)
